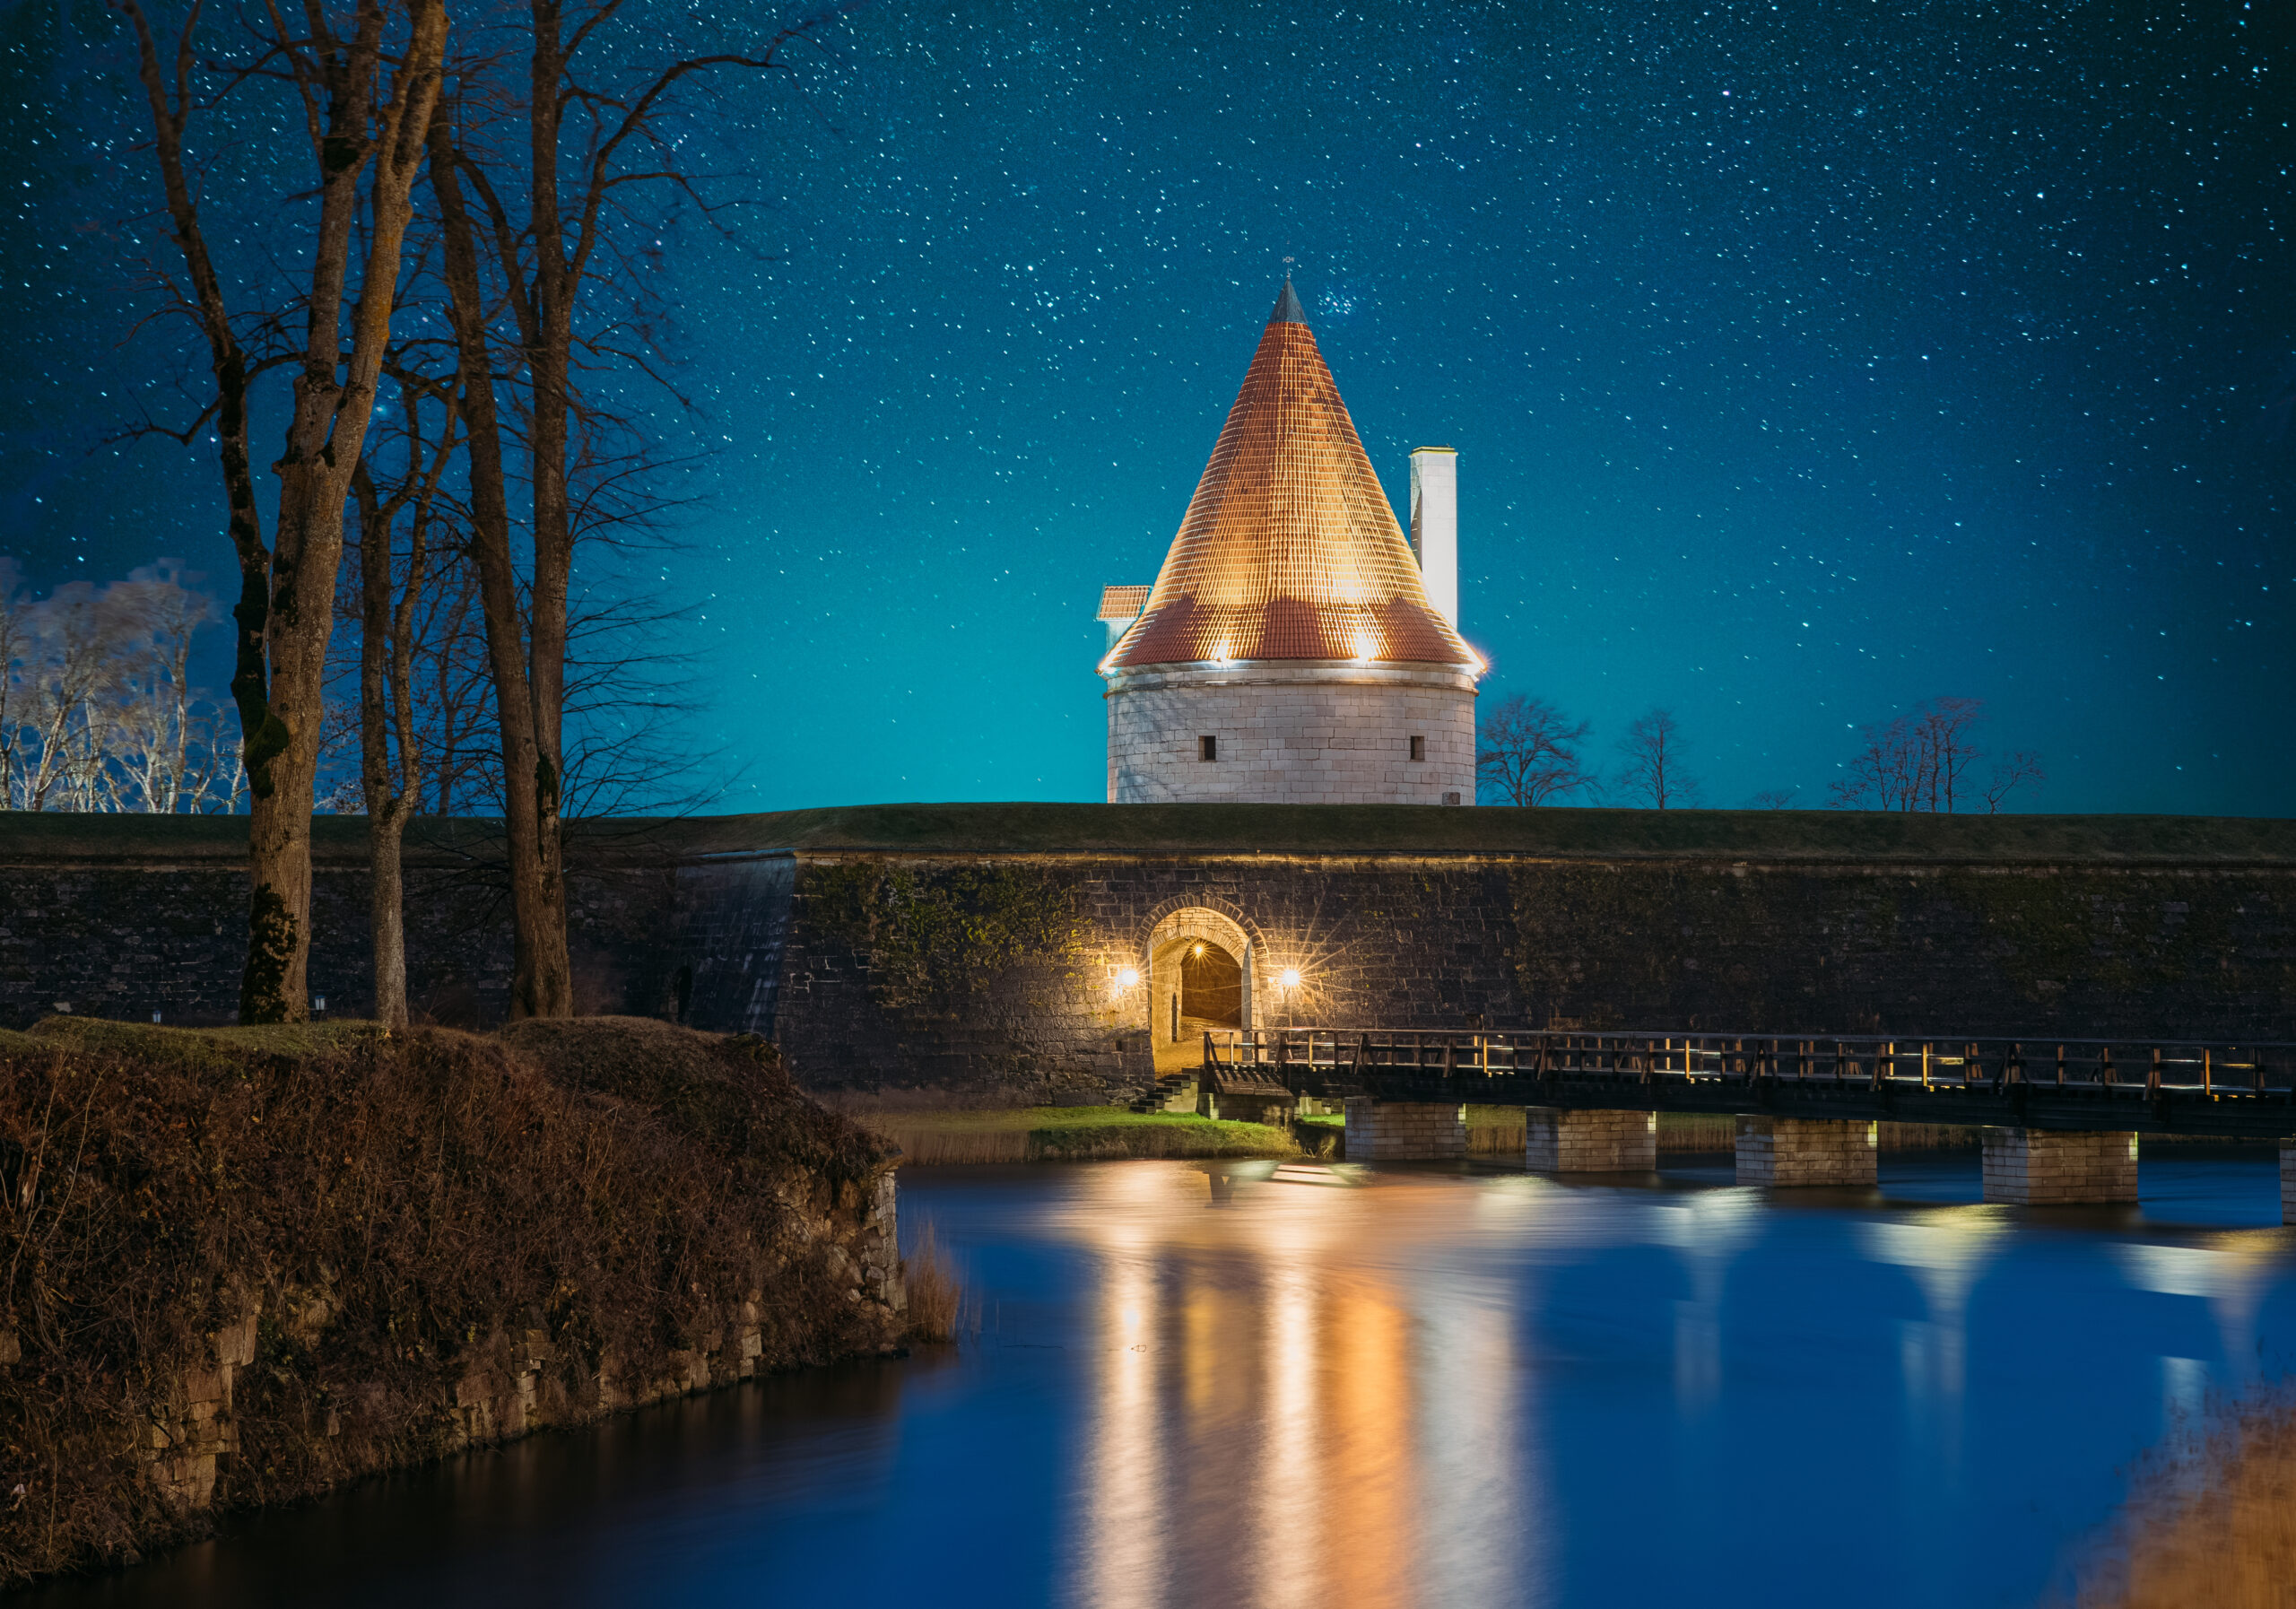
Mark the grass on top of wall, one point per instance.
(1059, 828)
(1059, 1134)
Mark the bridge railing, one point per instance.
(2217, 1068)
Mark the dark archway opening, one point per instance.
(1211, 985)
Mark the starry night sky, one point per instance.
(1804, 360)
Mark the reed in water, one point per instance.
(937, 1301)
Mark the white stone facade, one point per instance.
(1296, 734)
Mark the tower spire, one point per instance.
(1290, 549)
(1288, 310)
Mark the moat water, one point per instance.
(1199, 1385)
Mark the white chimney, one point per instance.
(1435, 525)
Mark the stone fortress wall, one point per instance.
(978, 953)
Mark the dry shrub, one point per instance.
(398, 1208)
(2211, 1523)
(935, 1297)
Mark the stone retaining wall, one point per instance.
(496, 1397)
(771, 942)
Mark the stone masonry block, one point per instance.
(1396, 1131)
(1787, 1153)
(2030, 1167)
(1556, 1141)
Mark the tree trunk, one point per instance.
(541, 978)
(386, 805)
(544, 985)
(334, 403)
(286, 609)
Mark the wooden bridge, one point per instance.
(2244, 1090)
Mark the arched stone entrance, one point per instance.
(1199, 977)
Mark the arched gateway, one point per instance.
(1198, 973)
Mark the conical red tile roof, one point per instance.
(1289, 550)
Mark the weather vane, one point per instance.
(1287, 267)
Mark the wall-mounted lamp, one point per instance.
(1288, 978)
(1129, 978)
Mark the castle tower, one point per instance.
(1289, 652)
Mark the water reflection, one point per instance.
(1708, 1231)
(1261, 1429)
(1224, 1387)
(1945, 1251)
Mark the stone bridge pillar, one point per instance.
(1405, 1131)
(1556, 1141)
(2032, 1167)
(1778, 1152)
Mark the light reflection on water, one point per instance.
(1203, 1385)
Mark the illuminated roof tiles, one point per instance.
(1289, 550)
(1122, 603)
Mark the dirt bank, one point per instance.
(244, 1265)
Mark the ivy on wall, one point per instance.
(942, 936)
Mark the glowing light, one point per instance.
(1197, 951)
(1221, 654)
(1289, 978)
(1365, 647)
(1129, 978)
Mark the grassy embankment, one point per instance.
(243, 1266)
(1066, 1134)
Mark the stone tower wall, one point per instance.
(1307, 736)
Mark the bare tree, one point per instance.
(97, 710)
(459, 740)
(390, 742)
(564, 251)
(2020, 769)
(1527, 751)
(16, 646)
(1772, 798)
(1652, 773)
(364, 101)
(1922, 761)
(83, 636)
(1942, 733)
(1885, 774)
